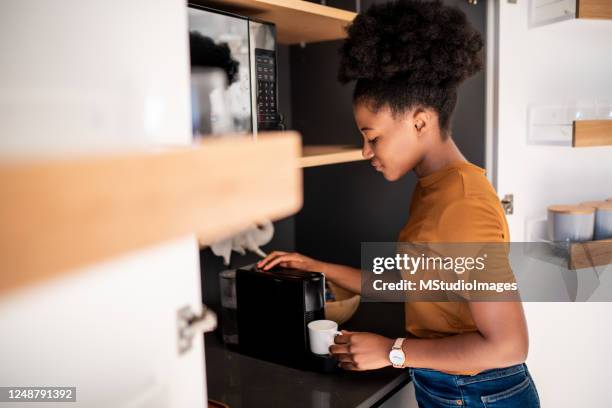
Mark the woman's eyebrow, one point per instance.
(365, 128)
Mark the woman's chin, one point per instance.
(389, 176)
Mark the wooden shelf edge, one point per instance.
(322, 155)
(594, 9)
(306, 7)
(590, 133)
(590, 254)
(61, 215)
(297, 21)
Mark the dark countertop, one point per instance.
(242, 382)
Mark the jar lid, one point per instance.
(571, 209)
(604, 205)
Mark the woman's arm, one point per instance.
(343, 276)
(501, 341)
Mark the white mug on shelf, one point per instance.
(321, 334)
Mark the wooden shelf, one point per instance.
(587, 133)
(58, 215)
(572, 256)
(325, 154)
(590, 254)
(296, 21)
(597, 9)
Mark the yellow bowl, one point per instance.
(345, 305)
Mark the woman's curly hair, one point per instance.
(205, 53)
(409, 53)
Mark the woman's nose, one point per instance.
(367, 152)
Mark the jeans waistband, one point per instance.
(486, 375)
(492, 374)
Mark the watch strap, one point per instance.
(398, 343)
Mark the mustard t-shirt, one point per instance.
(455, 204)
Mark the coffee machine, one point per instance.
(273, 310)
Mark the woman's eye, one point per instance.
(373, 141)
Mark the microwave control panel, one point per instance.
(267, 113)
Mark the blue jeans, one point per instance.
(510, 387)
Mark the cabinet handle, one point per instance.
(190, 324)
(508, 203)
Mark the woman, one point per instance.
(408, 59)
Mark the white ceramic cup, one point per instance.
(321, 335)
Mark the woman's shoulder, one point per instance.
(459, 205)
(463, 181)
(472, 218)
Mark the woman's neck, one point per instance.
(439, 156)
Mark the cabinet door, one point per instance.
(110, 331)
(563, 65)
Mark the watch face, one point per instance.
(397, 357)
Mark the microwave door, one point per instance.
(233, 31)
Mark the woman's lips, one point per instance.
(377, 165)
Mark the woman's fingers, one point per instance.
(348, 366)
(287, 260)
(342, 344)
(341, 350)
(272, 255)
(344, 358)
(276, 261)
(343, 338)
(337, 349)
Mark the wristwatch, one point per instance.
(396, 355)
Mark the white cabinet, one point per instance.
(110, 331)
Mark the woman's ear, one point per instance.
(421, 119)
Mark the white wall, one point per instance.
(570, 356)
(87, 75)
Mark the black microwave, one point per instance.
(245, 48)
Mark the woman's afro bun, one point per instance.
(421, 43)
(204, 52)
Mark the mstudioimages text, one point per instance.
(441, 285)
(412, 264)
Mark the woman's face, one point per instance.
(393, 145)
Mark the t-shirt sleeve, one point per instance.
(470, 220)
(473, 229)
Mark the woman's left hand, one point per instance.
(361, 351)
